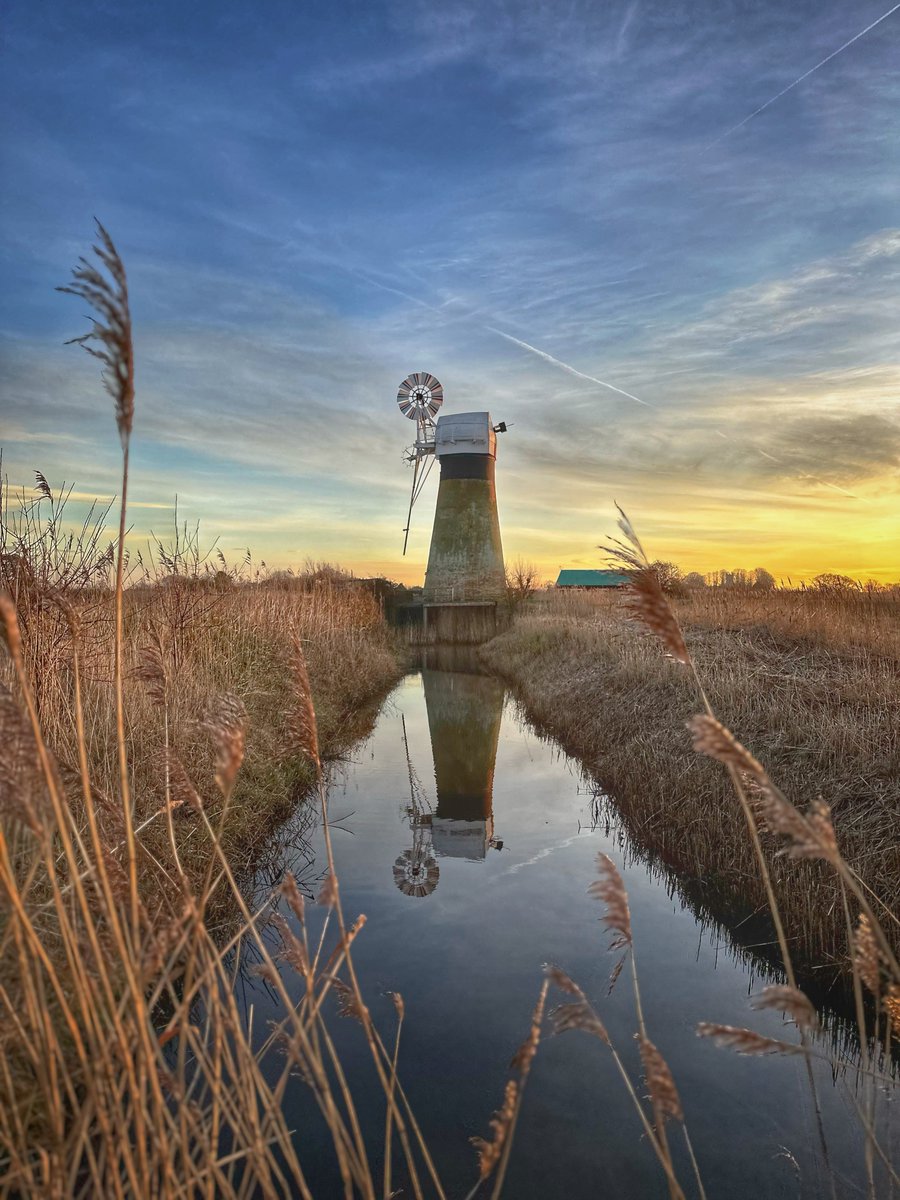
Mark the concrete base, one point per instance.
(463, 624)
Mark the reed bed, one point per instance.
(190, 633)
(808, 679)
(148, 736)
(146, 730)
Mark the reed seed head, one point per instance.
(225, 721)
(790, 1000)
(745, 1041)
(328, 892)
(304, 727)
(41, 485)
(563, 981)
(823, 843)
(180, 785)
(891, 1002)
(644, 599)
(293, 896)
(293, 949)
(578, 1015)
(715, 741)
(489, 1151)
(634, 549)
(660, 1082)
(615, 973)
(107, 294)
(523, 1057)
(349, 1002)
(811, 836)
(866, 955)
(267, 972)
(610, 889)
(646, 603)
(151, 670)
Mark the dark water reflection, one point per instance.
(469, 843)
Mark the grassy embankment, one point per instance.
(151, 736)
(807, 680)
(191, 637)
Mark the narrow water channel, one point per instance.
(469, 842)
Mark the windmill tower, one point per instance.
(465, 580)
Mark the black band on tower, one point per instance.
(467, 466)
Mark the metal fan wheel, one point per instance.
(416, 873)
(420, 395)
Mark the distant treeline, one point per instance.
(758, 579)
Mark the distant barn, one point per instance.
(591, 579)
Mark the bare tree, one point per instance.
(522, 581)
(763, 580)
(669, 575)
(830, 581)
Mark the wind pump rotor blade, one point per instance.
(420, 396)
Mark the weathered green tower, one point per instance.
(465, 582)
(465, 563)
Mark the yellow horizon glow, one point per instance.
(794, 530)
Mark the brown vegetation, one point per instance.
(191, 633)
(138, 725)
(809, 679)
(148, 738)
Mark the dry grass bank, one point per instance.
(188, 642)
(807, 681)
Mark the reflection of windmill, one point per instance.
(420, 397)
(416, 872)
(464, 715)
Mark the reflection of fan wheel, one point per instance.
(420, 395)
(416, 874)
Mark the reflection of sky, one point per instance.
(467, 959)
(313, 202)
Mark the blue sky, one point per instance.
(314, 200)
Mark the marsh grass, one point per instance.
(127, 1069)
(802, 835)
(169, 718)
(808, 679)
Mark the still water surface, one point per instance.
(469, 842)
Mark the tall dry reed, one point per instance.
(128, 1069)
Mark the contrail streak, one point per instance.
(726, 437)
(565, 367)
(805, 75)
(507, 336)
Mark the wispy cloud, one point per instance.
(515, 198)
